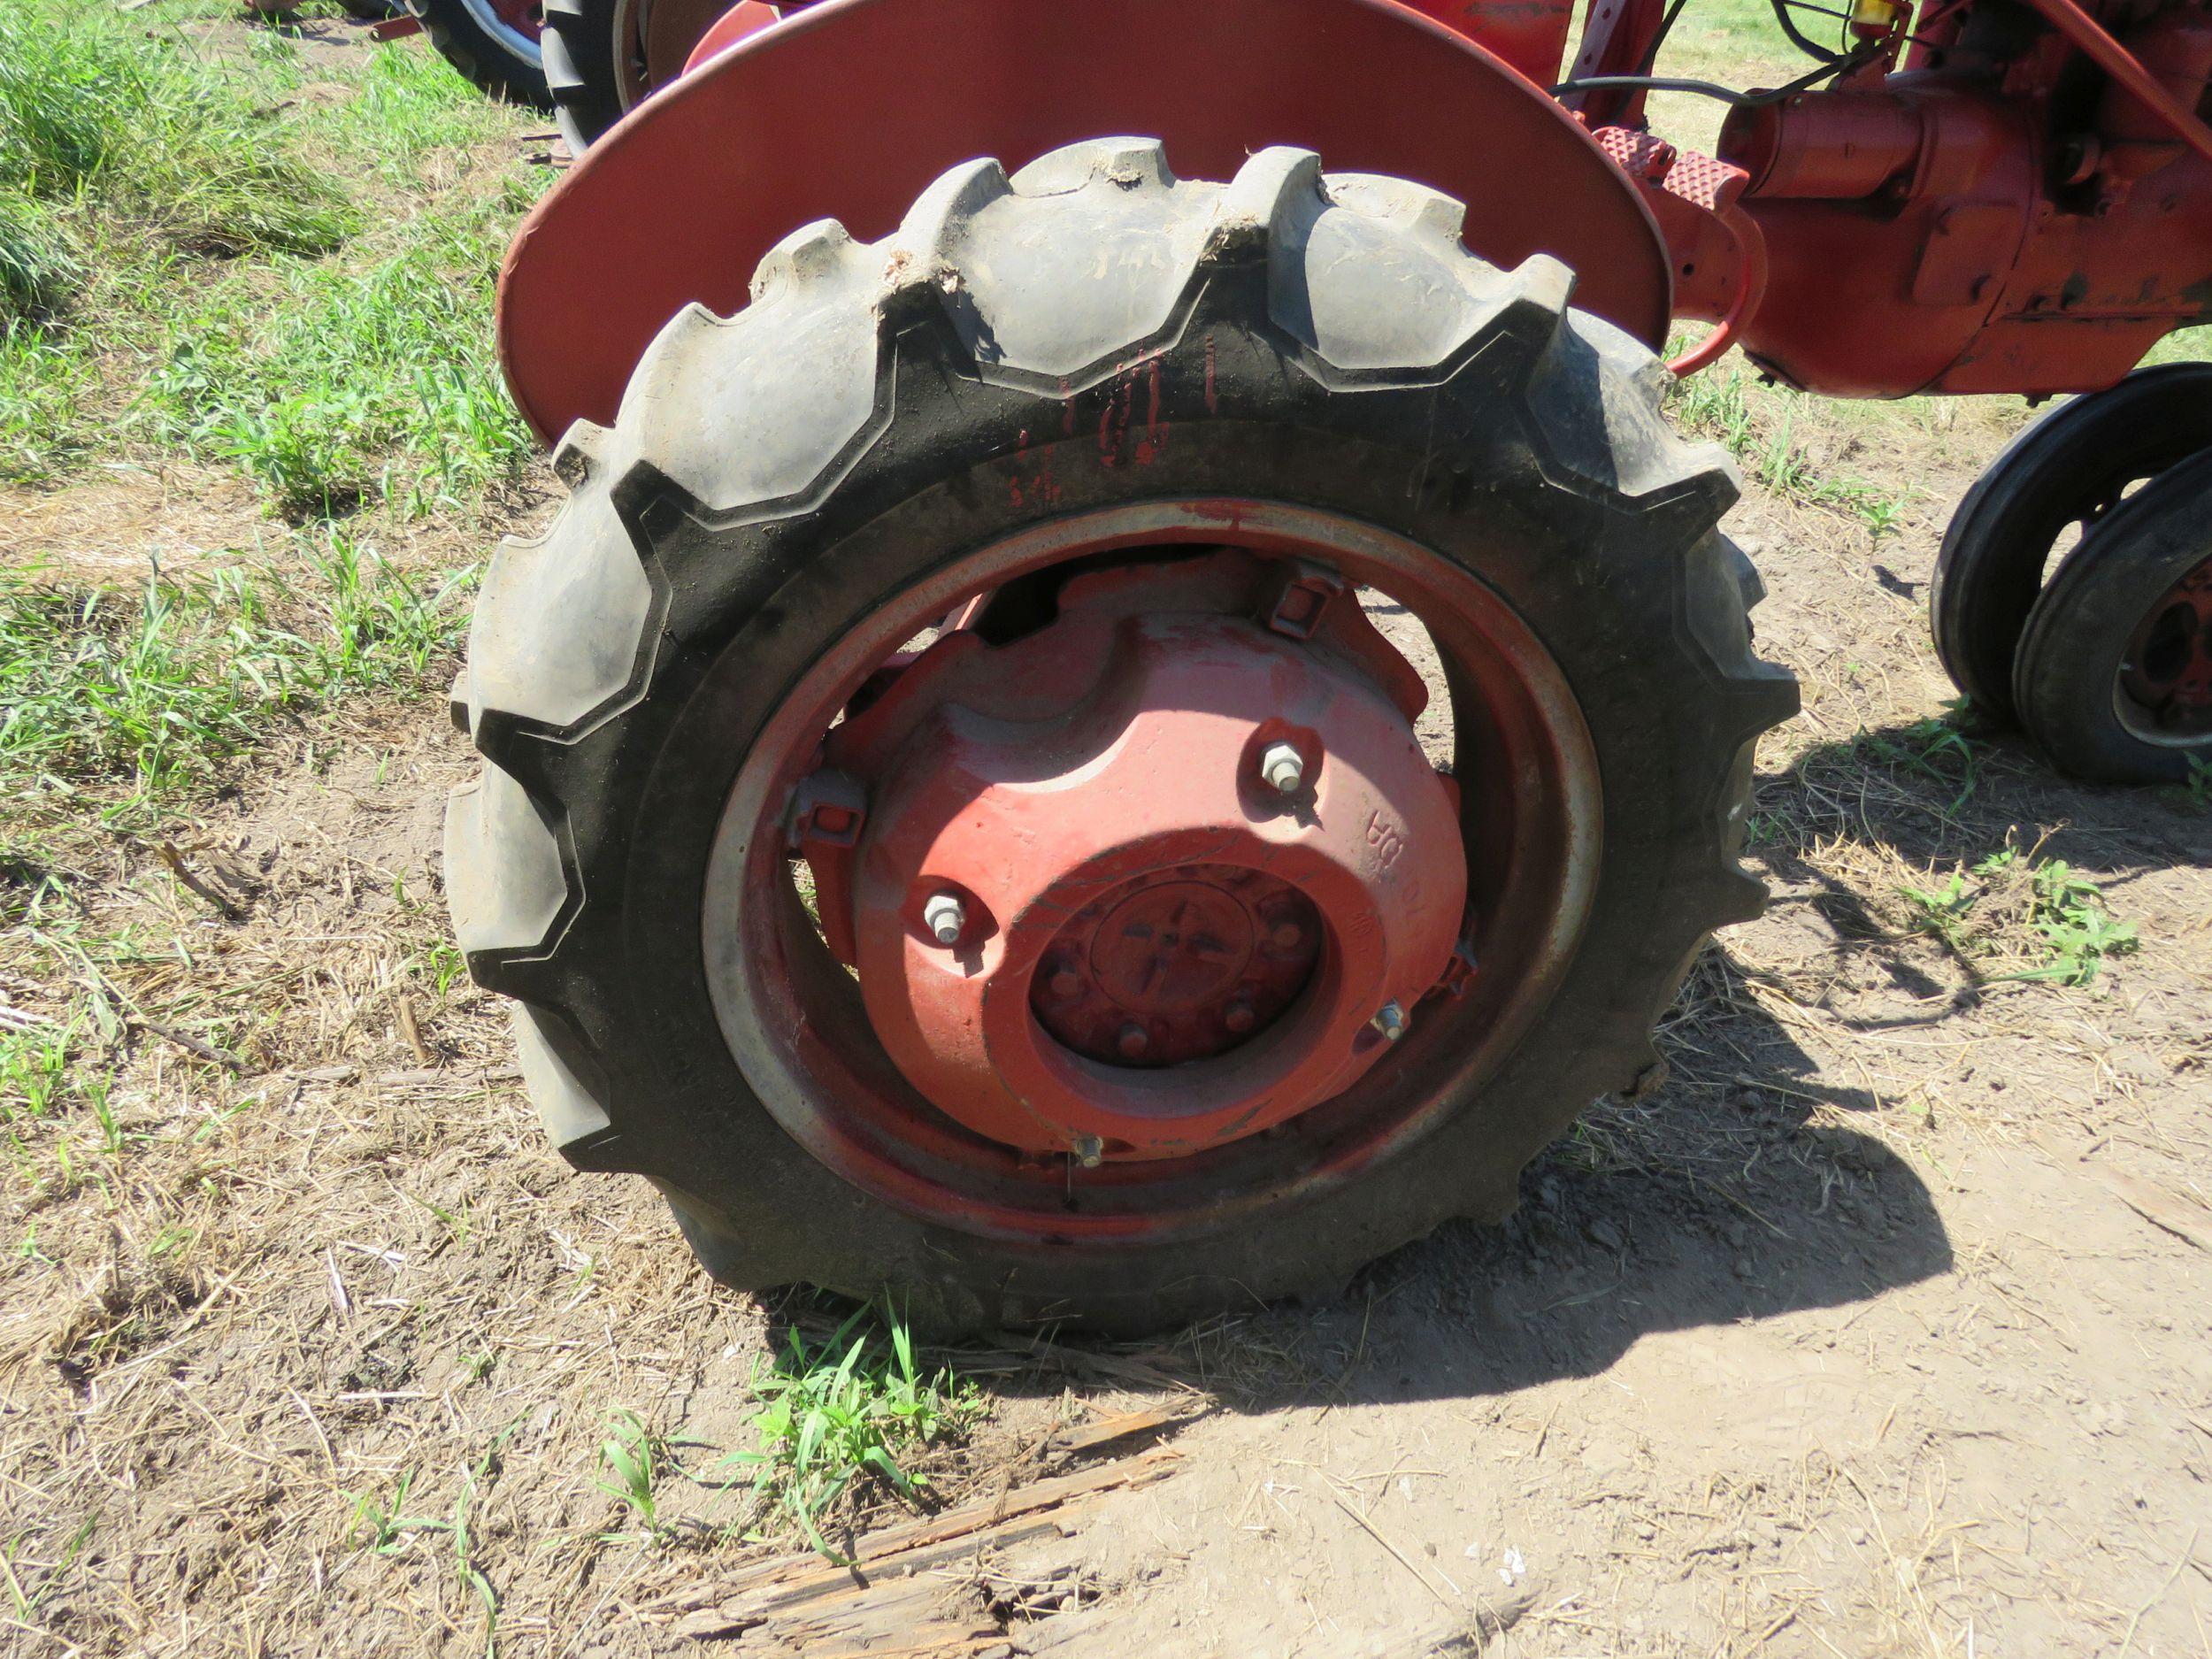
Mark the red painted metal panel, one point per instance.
(848, 109)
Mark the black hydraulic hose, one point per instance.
(1708, 89)
(1803, 41)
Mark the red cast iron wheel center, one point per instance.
(2170, 664)
(1184, 964)
(1155, 948)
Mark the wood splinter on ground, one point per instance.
(903, 1593)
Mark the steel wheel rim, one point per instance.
(787, 1009)
(515, 24)
(2163, 690)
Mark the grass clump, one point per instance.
(293, 286)
(858, 1406)
(94, 111)
(152, 691)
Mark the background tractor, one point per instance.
(957, 813)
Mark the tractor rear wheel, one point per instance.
(493, 42)
(950, 821)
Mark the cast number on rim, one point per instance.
(951, 822)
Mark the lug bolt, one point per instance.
(1133, 1042)
(946, 918)
(1392, 1022)
(1065, 981)
(1238, 1017)
(1283, 767)
(1286, 934)
(1089, 1151)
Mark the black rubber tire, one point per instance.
(2003, 537)
(583, 65)
(491, 63)
(2065, 680)
(777, 474)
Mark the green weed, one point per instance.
(2079, 933)
(381, 1524)
(2197, 792)
(1934, 747)
(635, 1458)
(138, 122)
(39, 269)
(1943, 911)
(846, 1408)
(1982, 915)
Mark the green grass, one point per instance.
(852, 1408)
(142, 695)
(198, 258)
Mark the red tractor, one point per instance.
(956, 815)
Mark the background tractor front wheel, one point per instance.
(951, 820)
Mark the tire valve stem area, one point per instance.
(1109, 905)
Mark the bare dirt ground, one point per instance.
(1884, 1328)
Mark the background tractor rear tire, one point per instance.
(590, 46)
(1094, 334)
(468, 35)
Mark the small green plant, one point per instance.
(1981, 915)
(2068, 912)
(156, 690)
(381, 1525)
(2198, 790)
(1932, 747)
(633, 1457)
(848, 1407)
(1943, 911)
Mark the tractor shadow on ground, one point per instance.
(1713, 1201)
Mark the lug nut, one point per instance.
(1133, 1042)
(1089, 1151)
(1392, 1022)
(1065, 981)
(1238, 1017)
(1286, 934)
(946, 918)
(1283, 768)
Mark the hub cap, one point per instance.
(1093, 798)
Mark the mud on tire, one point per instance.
(1321, 341)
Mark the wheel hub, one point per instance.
(1183, 964)
(1085, 916)
(2169, 669)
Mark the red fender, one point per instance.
(849, 108)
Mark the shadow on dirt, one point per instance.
(1716, 1201)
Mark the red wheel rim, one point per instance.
(1528, 818)
(2166, 680)
(525, 17)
